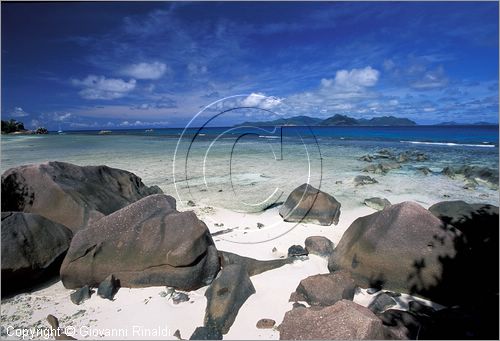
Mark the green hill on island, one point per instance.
(336, 120)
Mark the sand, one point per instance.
(146, 313)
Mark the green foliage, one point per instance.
(11, 126)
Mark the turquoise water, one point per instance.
(247, 169)
(475, 135)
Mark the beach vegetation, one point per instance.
(12, 126)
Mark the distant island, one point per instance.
(453, 123)
(336, 120)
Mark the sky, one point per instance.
(122, 65)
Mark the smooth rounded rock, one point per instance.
(309, 204)
(400, 248)
(71, 195)
(33, 248)
(147, 243)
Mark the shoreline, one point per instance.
(251, 235)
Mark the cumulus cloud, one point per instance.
(349, 92)
(354, 79)
(153, 70)
(100, 87)
(18, 112)
(260, 100)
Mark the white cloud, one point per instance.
(138, 123)
(349, 92)
(153, 70)
(260, 100)
(326, 82)
(253, 100)
(83, 124)
(100, 87)
(18, 112)
(341, 106)
(60, 117)
(354, 79)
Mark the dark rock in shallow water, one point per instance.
(297, 251)
(108, 288)
(387, 166)
(485, 174)
(33, 248)
(385, 152)
(252, 266)
(367, 158)
(327, 289)
(318, 245)
(364, 180)
(206, 333)
(400, 248)
(345, 320)
(226, 295)
(308, 204)
(372, 169)
(403, 157)
(377, 203)
(81, 295)
(476, 174)
(381, 168)
(265, 323)
(421, 157)
(381, 302)
(424, 170)
(470, 184)
(147, 243)
(448, 171)
(68, 194)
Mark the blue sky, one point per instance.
(156, 64)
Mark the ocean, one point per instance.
(250, 168)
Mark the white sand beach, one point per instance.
(142, 313)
